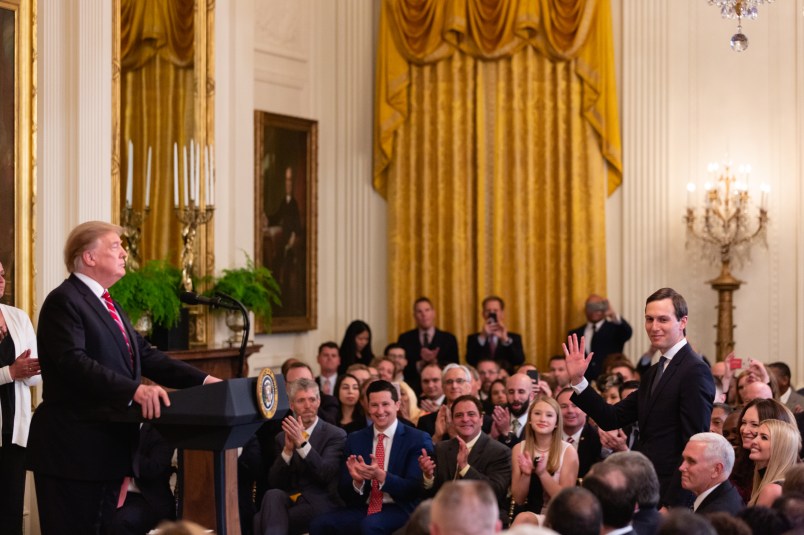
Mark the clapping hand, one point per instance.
(427, 465)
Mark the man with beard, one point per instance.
(509, 422)
(472, 454)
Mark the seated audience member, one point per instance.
(742, 476)
(397, 353)
(791, 506)
(774, 450)
(329, 359)
(642, 478)
(574, 511)
(425, 344)
(731, 430)
(510, 421)
(754, 391)
(419, 522)
(542, 464)
(719, 371)
(579, 432)
(625, 370)
(558, 367)
(432, 390)
(328, 409)
(498, 394)
(149, 498)
(489, 371)
(705, 468)
(302, 475)
(380, 491)
(373, 373)
(609, 484)
(351, 416)
(356, 346)
(764, 520)
(605, 331)
(409, 410)
(720, 411)
(726, 524)
(494, 341)
(475, 391)
(610, 388)
(360, 371)
(794, 480)
(472, 454)
(787, 394)
(457, 382)
(755, 372)
(682, 522)
(386, 368)
(465, 508)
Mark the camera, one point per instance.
(601, 306)
(492, 317)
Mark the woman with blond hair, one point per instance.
(774, 450)
(542, 464)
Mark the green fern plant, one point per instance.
(252, 285)
(155, 289)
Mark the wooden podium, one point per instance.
(198, 467)
(214, 420)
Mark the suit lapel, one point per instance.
(672, 367)
(399, 438)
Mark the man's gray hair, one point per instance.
(465, 507)
(303, 384)
(717, 449)
(640, 473)
(452, 366)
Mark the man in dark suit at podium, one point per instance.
(605, 332)
(494, 341)
(426, 344)
(304, 474)
(92, 360)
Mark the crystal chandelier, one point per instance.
(739, 9)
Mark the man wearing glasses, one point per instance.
(456, 381)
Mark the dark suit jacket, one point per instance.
(86, 369)
(507, 356)
(588, 449)
(680, 407)
(489, 461)
(152, 470)
(403, 480)
(315, 476)
(646, 521)
(610, 338)
(448, 352)
(724, 498)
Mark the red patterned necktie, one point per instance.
(375, 497)
(107, 299)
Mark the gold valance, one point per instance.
(427, 31)
(156, 27)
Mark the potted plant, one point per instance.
(152, 292)
(252, 285)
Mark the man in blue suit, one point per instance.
(674, 400)
(381, 480)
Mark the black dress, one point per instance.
(12, 457)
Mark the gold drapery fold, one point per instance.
(496, 164)
(157, 103)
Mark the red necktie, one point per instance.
(375, 497)
(107, 299)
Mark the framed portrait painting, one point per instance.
(285, 215)
(17, 149)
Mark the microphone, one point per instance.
(192, 298)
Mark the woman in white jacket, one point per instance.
(19, 370)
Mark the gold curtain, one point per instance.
(496, 140)
(157, 102)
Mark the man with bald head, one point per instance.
(605, 332)
(465, 508)
(509, 421)
(756, 390)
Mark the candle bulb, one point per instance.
(186, 181)
(192, 172)
(197, 186)
(130, 177)
(148, 181)
(690, 194)
(206, 176)
(212, 176)
(175, 175)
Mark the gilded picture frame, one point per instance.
(18, 150)
(285, 215)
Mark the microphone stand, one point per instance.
(246, 329)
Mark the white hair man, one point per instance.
(466, 507)
(706, 465)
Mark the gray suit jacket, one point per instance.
(489, 460)
(315, 476)
(794, 399)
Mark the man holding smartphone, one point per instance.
(605, 333)
(494, 341)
